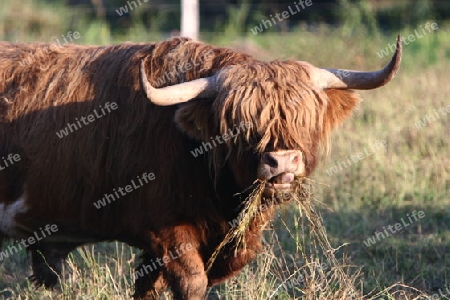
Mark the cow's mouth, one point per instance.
(281, 182)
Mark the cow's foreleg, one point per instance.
(185, 272)
(47, 260)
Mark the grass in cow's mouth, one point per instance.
(252, 208)
(314, 243)
(338, 282)
(237, 233)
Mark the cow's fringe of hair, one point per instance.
(285, 110)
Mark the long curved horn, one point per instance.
(347, 79)
(179, 93)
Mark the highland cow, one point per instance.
(129, 110)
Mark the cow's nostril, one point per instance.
(270, 160)
(296, 160)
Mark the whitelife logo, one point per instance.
(356, 157)
(378, 236)
(9, 161)
(147, 177)
(411, 38)
(86, 120)
(221, 139)
(431, 118)
(146, 269)
(45, 50)
(284, 15)
(124, 9)
(24, 243)
(185, 67)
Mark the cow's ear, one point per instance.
(194, 118)
(340, 106)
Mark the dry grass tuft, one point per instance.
(335, 282)
(237, 233)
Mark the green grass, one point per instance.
(411, 173)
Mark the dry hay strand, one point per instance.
(338, 282)
(248, 212)
(334, 284)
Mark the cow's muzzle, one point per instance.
(279, 169)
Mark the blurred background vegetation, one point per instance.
(412, 173)
(101, 23)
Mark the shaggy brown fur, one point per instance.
(191, 200)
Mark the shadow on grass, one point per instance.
(416, 252)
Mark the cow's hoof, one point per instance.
(46, 278)
(46, 269)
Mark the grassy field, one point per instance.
(402, 169)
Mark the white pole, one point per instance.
(190, 19)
